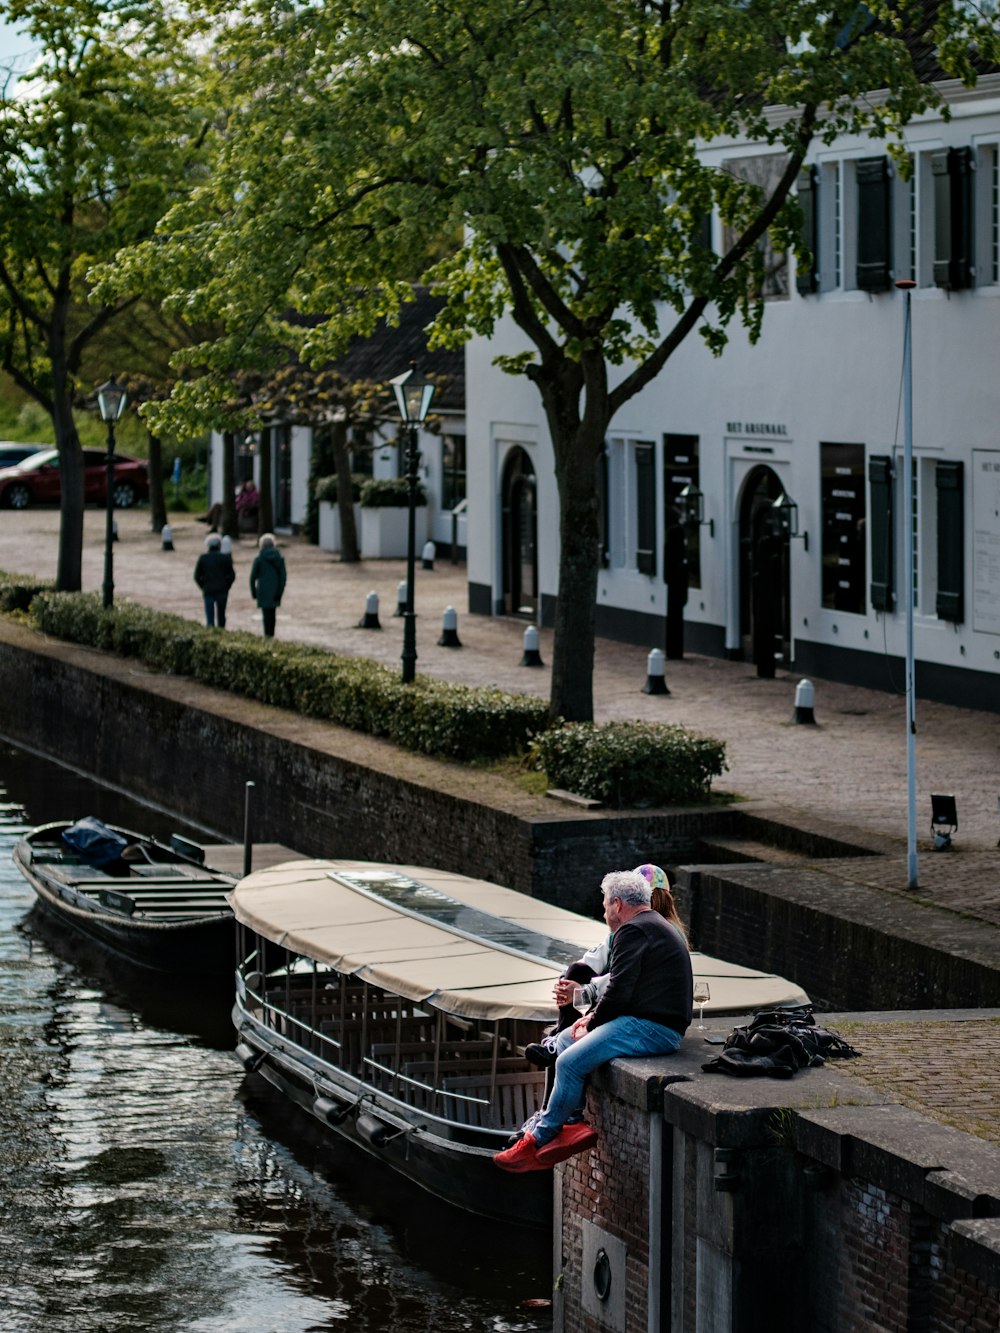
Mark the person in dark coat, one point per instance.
(267, 581)
(214, 575)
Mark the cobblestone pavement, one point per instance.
(850, 769)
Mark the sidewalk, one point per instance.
(850, 768)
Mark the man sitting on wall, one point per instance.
(645, 1010)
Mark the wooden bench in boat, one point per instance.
(517, 1096)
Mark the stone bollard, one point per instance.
(370, 618)
(449, 629)
(656, 682)
(400, 600)
(532, 657)
(167, 537)
(226, 546)
(427, 555)
(804, 697)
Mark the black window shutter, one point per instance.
(645, 485)
(883, 539)
(602, 507)
(950, 542)
(952, 171)
(807, 273)
(874, 269)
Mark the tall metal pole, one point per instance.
(906, 287)
(109, 528)
(409, 617)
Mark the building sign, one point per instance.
(843, 506)
(757, 428)
(986, 541)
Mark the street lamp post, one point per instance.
(413, 398)
(906, 285)
(111, 399)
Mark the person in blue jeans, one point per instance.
(214, 575)
(645, 1010)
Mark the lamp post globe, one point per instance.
(111, 400)
(413, 398)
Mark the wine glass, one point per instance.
(701, 997)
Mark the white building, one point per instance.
(813, 412)
(380, 452)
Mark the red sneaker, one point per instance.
(570, 1140)
(523, 1156)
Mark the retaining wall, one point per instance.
(749, 1206)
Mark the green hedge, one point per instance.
(629, 763)
(389, 493)
(431, 716)
(325, 488)
(17, 591)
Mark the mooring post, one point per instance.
(247, 830)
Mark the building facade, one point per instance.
(796, 443)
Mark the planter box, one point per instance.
(329, 525)
(383, 532)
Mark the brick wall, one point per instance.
(778, 1215)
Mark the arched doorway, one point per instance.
(765, 586)
(520, 536)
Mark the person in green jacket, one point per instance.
(267, 581)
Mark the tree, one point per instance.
(93, 147)
(561, 139)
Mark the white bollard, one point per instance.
(227, 545)
(449, 629)
(427, 555)
(656, 682)
(114, 529)
(804, 698)
(400, 600)
(167, 537)
(532, 656)
(370, 618)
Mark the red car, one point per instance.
(36, 480)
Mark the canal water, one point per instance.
(146, 1184)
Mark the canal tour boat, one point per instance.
(393, 1003)
(154, 903)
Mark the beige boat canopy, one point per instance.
(462, 945)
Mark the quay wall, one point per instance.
(331, 793)
(730, 1204)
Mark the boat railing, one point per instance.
(418, 1083)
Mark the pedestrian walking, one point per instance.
(267, 581)
(214, 575)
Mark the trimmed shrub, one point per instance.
(18, 591)
(629, 763)
(389, 493)
(431, 716)
(325, 488)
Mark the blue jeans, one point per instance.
(622, 1036)
(215, 605)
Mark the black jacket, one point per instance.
(214, 573)
(650, 975)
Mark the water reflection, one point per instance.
(145, 1185)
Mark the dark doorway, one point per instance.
(520, 536)
(283, 477)
(765, 601)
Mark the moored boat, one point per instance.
(152, 902)
(393, 1003)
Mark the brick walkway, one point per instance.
(849, 770)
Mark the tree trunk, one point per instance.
(349, 553)
(229, 524)
(572, 688)
(157, 501)
(69, 574)
(265, 511)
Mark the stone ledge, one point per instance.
(977, 1248)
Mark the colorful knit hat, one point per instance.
(657, 878)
